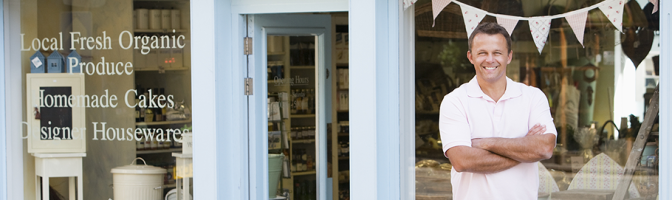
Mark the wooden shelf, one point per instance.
(163, 123)
(275, 53)
(344, 158)
(343, 111)
(302, 116)
(139, 152)
(157, 69)
(343, 134)
(160, 30)
(303, 141)
(303, 173)
(302, 67)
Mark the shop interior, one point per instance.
(292, 104)
(598, 92)
(601, 126)
(160, 72)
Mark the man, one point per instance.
(493, 129)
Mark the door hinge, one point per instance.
(248, 46)
(248, 86)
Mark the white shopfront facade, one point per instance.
(382, 104)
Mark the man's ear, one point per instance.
(469, 57)
(510, 57)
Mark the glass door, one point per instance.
(288, 137)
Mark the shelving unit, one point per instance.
(174, 77)
(170, 150)
(340, 164)
(284, 50)
(162, 123)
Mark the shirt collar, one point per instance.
(512, 89)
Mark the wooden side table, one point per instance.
(48, 165)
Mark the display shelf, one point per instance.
(344, 158)
(160, 30)
(275, 53)
(158, 151)
(172, 185)
(303, 173)
(163, 123)
(303, 116)
(302, 67)
(157, 69)
(343, 111)
(343, 134)
(303, 141)
(343, 89)
(343, 181)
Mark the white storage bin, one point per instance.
(138, 182)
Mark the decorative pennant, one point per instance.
(437, 7)
(540, 28)
(578, 23)
(508, 23)
(613, 9)
(655, 5)
(472, 17)
(409, 3)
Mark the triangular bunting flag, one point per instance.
(472, 17)
(655, 5)
(613, 9)
(508, 23)
(578, 23)
(539, 28)
(437, 7)
(408, 3)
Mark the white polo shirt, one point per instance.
(468, 113)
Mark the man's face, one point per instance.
(490, 55)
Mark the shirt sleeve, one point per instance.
(453, 123)
(541, 112)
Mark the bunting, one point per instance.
(613, 9)
(472, 17)
(437, 7)
(578, 23)
(655, 5)
(408, 3)
(539, 27)
(508, 23)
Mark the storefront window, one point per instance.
(598, 91)
(106, 84)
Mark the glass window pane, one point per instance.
(597, 92)
(292, 121)
(107, 90)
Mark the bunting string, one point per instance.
(539, 25)
(586, 9)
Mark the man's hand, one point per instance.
(535, 146)
(537, 129)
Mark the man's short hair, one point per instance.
(490, 28)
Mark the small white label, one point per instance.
(37, 62)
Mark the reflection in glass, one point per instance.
(292, 137)
(597, 116)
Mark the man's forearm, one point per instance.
(531, 148)
(469, 159)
